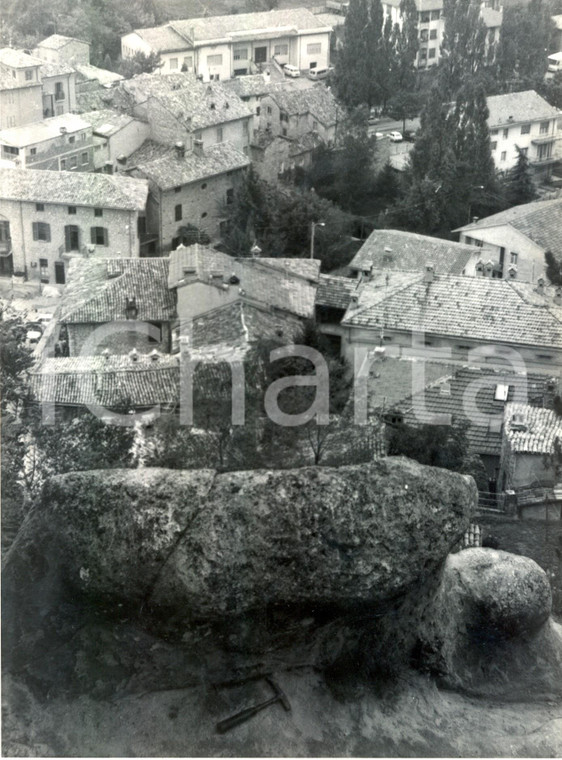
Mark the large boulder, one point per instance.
(488, 629)
(213, 546)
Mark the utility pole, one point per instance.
(313, 229)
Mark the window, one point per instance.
(73, 162)
(494, 145)
(493, 132)
(245, 128)
(313, 48)
(544, 127)
(28, 75)
(229, 196)
(525, 129)
(435, 15)
(44, 270)
(178, 213)
(214, 60)
(39, 207)
(513, 257)
(203, 215)
(524, 151)
(284, 131)
(283, 116)
(187, 61)
(173, 63)
(425, 17)
(84, 158)
(72, 139)
(33, 152)
(433, 34)
(503, 155)
(281, 50)
(41, 231)
(63, 164)
(72, 209)
(98, 212)
(71, 237)
(432, 52)
(59, 92)
(83, 136)
(423, 35)
(258, 110)
(505, 134)
(240, 54)
(99, 236)
(219, 134)
(269, 109)
(423, 53)
(11, 150)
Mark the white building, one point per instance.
(220, 47)
(524, 121)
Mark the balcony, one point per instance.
(545, 139)
(59, 95)
(544, 160)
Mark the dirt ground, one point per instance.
(413, 720)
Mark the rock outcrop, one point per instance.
(488, 629)
(202, 546)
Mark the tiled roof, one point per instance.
(517, 107)
(543, 427)
(451, 396)
(482, 309)
(163, 38)
(161, 165)
(252, 85)
(330, 19)
(334, 291)
(248, 25)
(55, 69)
(107, 122)
(80, 189)
(97, 290)
(17, 59)
(491, 17)
(257, 278)
(391, 380)
(317, 101)
(239, 324)
(541, 221)
(409, 252)
(103, 76)
(42, 130)
(144, 86)
(204, 105)
(108, 382)
(58, 41)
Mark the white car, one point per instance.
(379, 135)
(291, 71)
(396, 136)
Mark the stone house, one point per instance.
(220, 47)
(517, 239)
(188, 188)
(115, 136)
(59, 89)
(21, 90)
(60, 49)
(295, 113)
(433, 315)
(524, 121)
(59, 143)
(531, 452)
(47, 217)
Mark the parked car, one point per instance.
(32, 338)
(396, 136)
(379, 135)
(291, 71)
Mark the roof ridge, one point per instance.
(530, 303)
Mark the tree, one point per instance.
(15, 359)
(140, 63)
(463, 51)
(526, 31)
(405, 104)
(519, 187)
(553, 268)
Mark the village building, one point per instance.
(409, 252)
(21, 90)
(190, 190)
(59, 89)
(57, 48)
(46, 217)
(220, 47)
(295, 113)
(515, 241)
(448, 316)
(59, 143)
(115, 135)
(531, 453)
(523, 121)
(252, 88)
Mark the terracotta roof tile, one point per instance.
(517, 107)
(335, 291)
(542, 428)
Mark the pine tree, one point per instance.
(519, 185)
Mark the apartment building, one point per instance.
(60, 143)
(220, 47)
(523, 121)
(46, 217)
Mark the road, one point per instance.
(388, 125)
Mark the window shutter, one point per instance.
(48, 232)
(105, 236)
(67, 237)
(93, 235)
(35, 226)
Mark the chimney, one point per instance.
(106, 354)
(180, 150)
(480, 268)
(122, 159)
(198, 147)
(63, 130)
(558, 296)
(512, 272)
(134, 355)
(489, 268)
(540, 286)
(354, 300)
(154, 356)
(429, 273)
